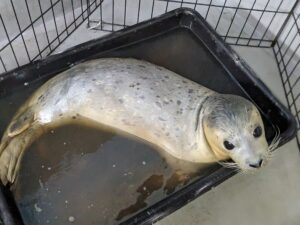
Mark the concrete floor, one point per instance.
(270, 196)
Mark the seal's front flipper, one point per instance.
(21, 132)
(20, 123)
(11, 156)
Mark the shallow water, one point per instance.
(82, 175)
(89, 175)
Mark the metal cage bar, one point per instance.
(37, 28)
(261, 35)
(287, 54)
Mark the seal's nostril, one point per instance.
(256, 165)
(260, 162)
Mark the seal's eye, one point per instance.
(257, 132)
(228, 145)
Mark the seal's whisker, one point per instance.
(231, 165)
(227, 163)
(269, 154)
(239, 170)
(275, 141)
(269, 151)
(268, 157)
(275, 144)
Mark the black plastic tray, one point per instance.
(183, 42)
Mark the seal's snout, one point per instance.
(257, 164)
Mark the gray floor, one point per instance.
(270, 196)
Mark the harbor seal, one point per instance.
(179, 116)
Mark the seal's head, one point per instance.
(234, 130)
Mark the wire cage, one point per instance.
(33, 29)
(249, 23)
